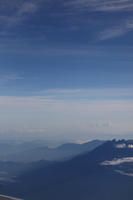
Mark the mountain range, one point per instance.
(32, 151)
(104, 173)
(31, 155)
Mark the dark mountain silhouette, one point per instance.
(83, 177)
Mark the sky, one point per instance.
(66, 69)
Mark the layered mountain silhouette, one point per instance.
(30, 155)
(32, 151)
(106, 173)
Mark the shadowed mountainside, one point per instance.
(83, 177)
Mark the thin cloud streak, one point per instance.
(21, 10)
(18, 12)
(102, 5)
(4, 79)
(50, 104)
(118, 161)
(107, 6)
(102, 93)
(117, 30)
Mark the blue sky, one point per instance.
(59, 61)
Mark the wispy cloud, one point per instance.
(90, 93)
(9, 77)
(18, 17)
(118, 30)
(46, 103)
(18, 11)
(124, 173)
(109, 7)
(112, 33)
(102, 5)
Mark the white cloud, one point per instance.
(130, 146)
(12, 198)
(118, 161)
(124, 173)
(121, 146)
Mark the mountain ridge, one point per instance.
(80, 177)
